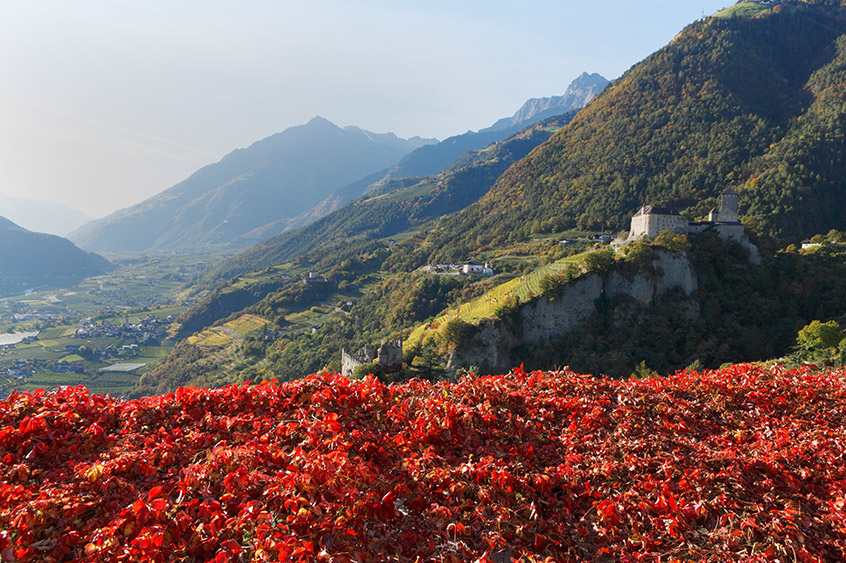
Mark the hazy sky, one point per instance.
(105, 103)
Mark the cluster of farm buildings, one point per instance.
(466, 269)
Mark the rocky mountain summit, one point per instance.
(578, 94)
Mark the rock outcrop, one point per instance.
(551, 316)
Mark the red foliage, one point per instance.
(738, 464)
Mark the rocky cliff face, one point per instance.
(552, 316)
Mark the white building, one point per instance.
(651, 220)
(477, 269)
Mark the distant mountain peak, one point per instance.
(588, 80)
(578, 94)
(272, 181)
(320, 121)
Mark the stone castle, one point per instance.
(388, 356)
(650, 220)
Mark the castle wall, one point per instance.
(651, 224)
(349, 363)
(639, 226)
(725, 216)
(388, 356)
(734, 232)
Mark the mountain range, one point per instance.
(296, 177)
(754, 104)
(432, 159)
(43, 217)
(395, 206)
(29, 260)
(271, 181)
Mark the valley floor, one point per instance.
(88, 334)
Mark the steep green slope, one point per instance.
(730, 102)
(29, 259)
(797, 187)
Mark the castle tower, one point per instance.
(369, 352)
(728, 207)
(390, 356)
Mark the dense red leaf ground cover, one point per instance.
(739, 464)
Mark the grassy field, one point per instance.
(314, 316)
(106, 383)
(234, 330)
(57, 332)
(485, 306)
(745, 10)
(113, 383)
(57, 342)
(411, 192)
(151, 355)
(135, 316)
(404, 236)
(571, 234)
(71, 358)
(264, 276)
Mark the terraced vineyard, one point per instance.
(214, 337)
(220, 336)
(246, 324)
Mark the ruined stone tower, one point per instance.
(388, 356)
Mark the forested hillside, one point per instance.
(751, 103)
